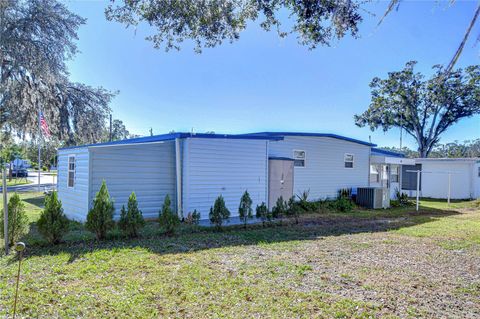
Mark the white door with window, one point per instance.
(394, 180)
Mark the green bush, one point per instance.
(263, 213)
(219, 212)
(245, 210)
(394, 203)
(280, 209)
(167, 219)
(402, 199)
(345, 192)
(131, 219)
(295, 209)
(193, 218)
(17, 220)
(342, 204)
(53, 224)
(303, 205)
(100, 217)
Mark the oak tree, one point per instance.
(424, 108)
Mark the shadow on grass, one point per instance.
(191, 238)
(37, 201)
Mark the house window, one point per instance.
(71, 171)
(374, 174)
(348, 159)
(299, 158)
(395, 175)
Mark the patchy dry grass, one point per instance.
(365, 264)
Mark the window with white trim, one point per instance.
(395, 174)
(374, 174)
(348, 160)
(71, 171)
(299, 158)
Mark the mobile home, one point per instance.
(194, 169)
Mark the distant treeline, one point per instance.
(468, 148)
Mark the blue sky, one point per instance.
(264, 83)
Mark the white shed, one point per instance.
(194, 169)
(464, 175)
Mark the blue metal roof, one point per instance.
(282, 134)
(379, 151)
(173, 136)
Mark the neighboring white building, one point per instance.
(196, 168)
(464, 175)
(393, 170)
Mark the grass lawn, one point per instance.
(17, 181)
(366, 264)
(33, 203)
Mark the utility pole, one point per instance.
(39, 144)
(5, 207)
(401, 129)
(110, 138)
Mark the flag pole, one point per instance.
(5, 207)
(39, 142)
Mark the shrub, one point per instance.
(131, 219)
(394, 203)
(193, 218)
(294, 209)
(167, 219)
(263, 213)
(303, 205)
(402, 198)
(345, 192)
(342, 204)
(100, 217)
(219, 212)
(245, 210)
(17, 220)
(53, 224)
(280, 209)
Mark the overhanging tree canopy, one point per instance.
(424, 108)
(36, 38)
(210, 22)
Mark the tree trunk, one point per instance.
(422, 152)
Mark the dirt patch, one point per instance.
(401, 275)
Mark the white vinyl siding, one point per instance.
(74, 199)
(146, 169)
(325, 171)
(435, 182)
(227, 167)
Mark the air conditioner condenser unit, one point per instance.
(373, 197)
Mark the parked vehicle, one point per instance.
(19, 172)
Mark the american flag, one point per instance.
(44, 125)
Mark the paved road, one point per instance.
(47, 183)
